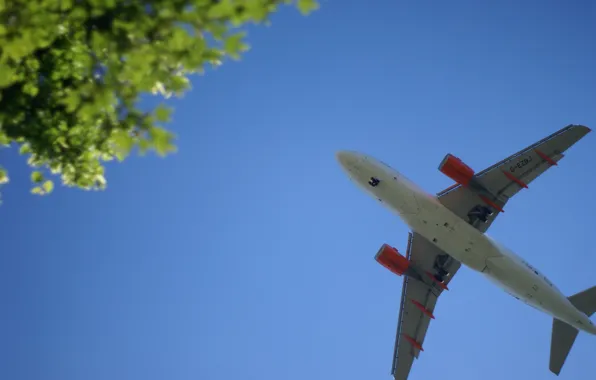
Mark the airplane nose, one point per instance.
(343, 157)
(348, 160)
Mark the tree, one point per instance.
(72, 72)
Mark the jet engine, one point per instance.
(391, 259)
(455, 169)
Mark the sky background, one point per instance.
(249, 254)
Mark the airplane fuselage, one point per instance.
(427, 216)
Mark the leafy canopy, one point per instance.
(72, 72)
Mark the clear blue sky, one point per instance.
(249, 254)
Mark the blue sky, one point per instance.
(249, 253)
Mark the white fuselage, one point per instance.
(424, 214)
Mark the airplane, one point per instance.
(449, 229)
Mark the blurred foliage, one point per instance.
(72, 72)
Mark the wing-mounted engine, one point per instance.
(456, 169)
(391, 259)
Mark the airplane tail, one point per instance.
(563, 335)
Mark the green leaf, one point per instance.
(162, 113)
(179, 41)
(72, 101)
(307, 6)
(144, 146)
(25, 149)
(179, 84)
(36, 177)
(233, 45)
(61, 140)
(3, 176)
(4, 140)
(48, 186)
(30, 89)
(162, 141)
(100, 182)
(217, 30)
(123, 142)
(258, 11)
(7, 75)
(37, 190)
(66, 4)
(222, 9)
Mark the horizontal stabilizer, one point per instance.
(564, 335)
(585, 301)
(562, 340)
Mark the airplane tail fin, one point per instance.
(563, 335)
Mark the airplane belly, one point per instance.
(513, 278)
(450, 233)
(400, 198)
(429, 218)
(394, 192)
(523, 285)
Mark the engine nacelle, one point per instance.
(391, 259)
(455, 169)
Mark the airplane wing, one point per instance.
(504, 179)
(418, 301)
